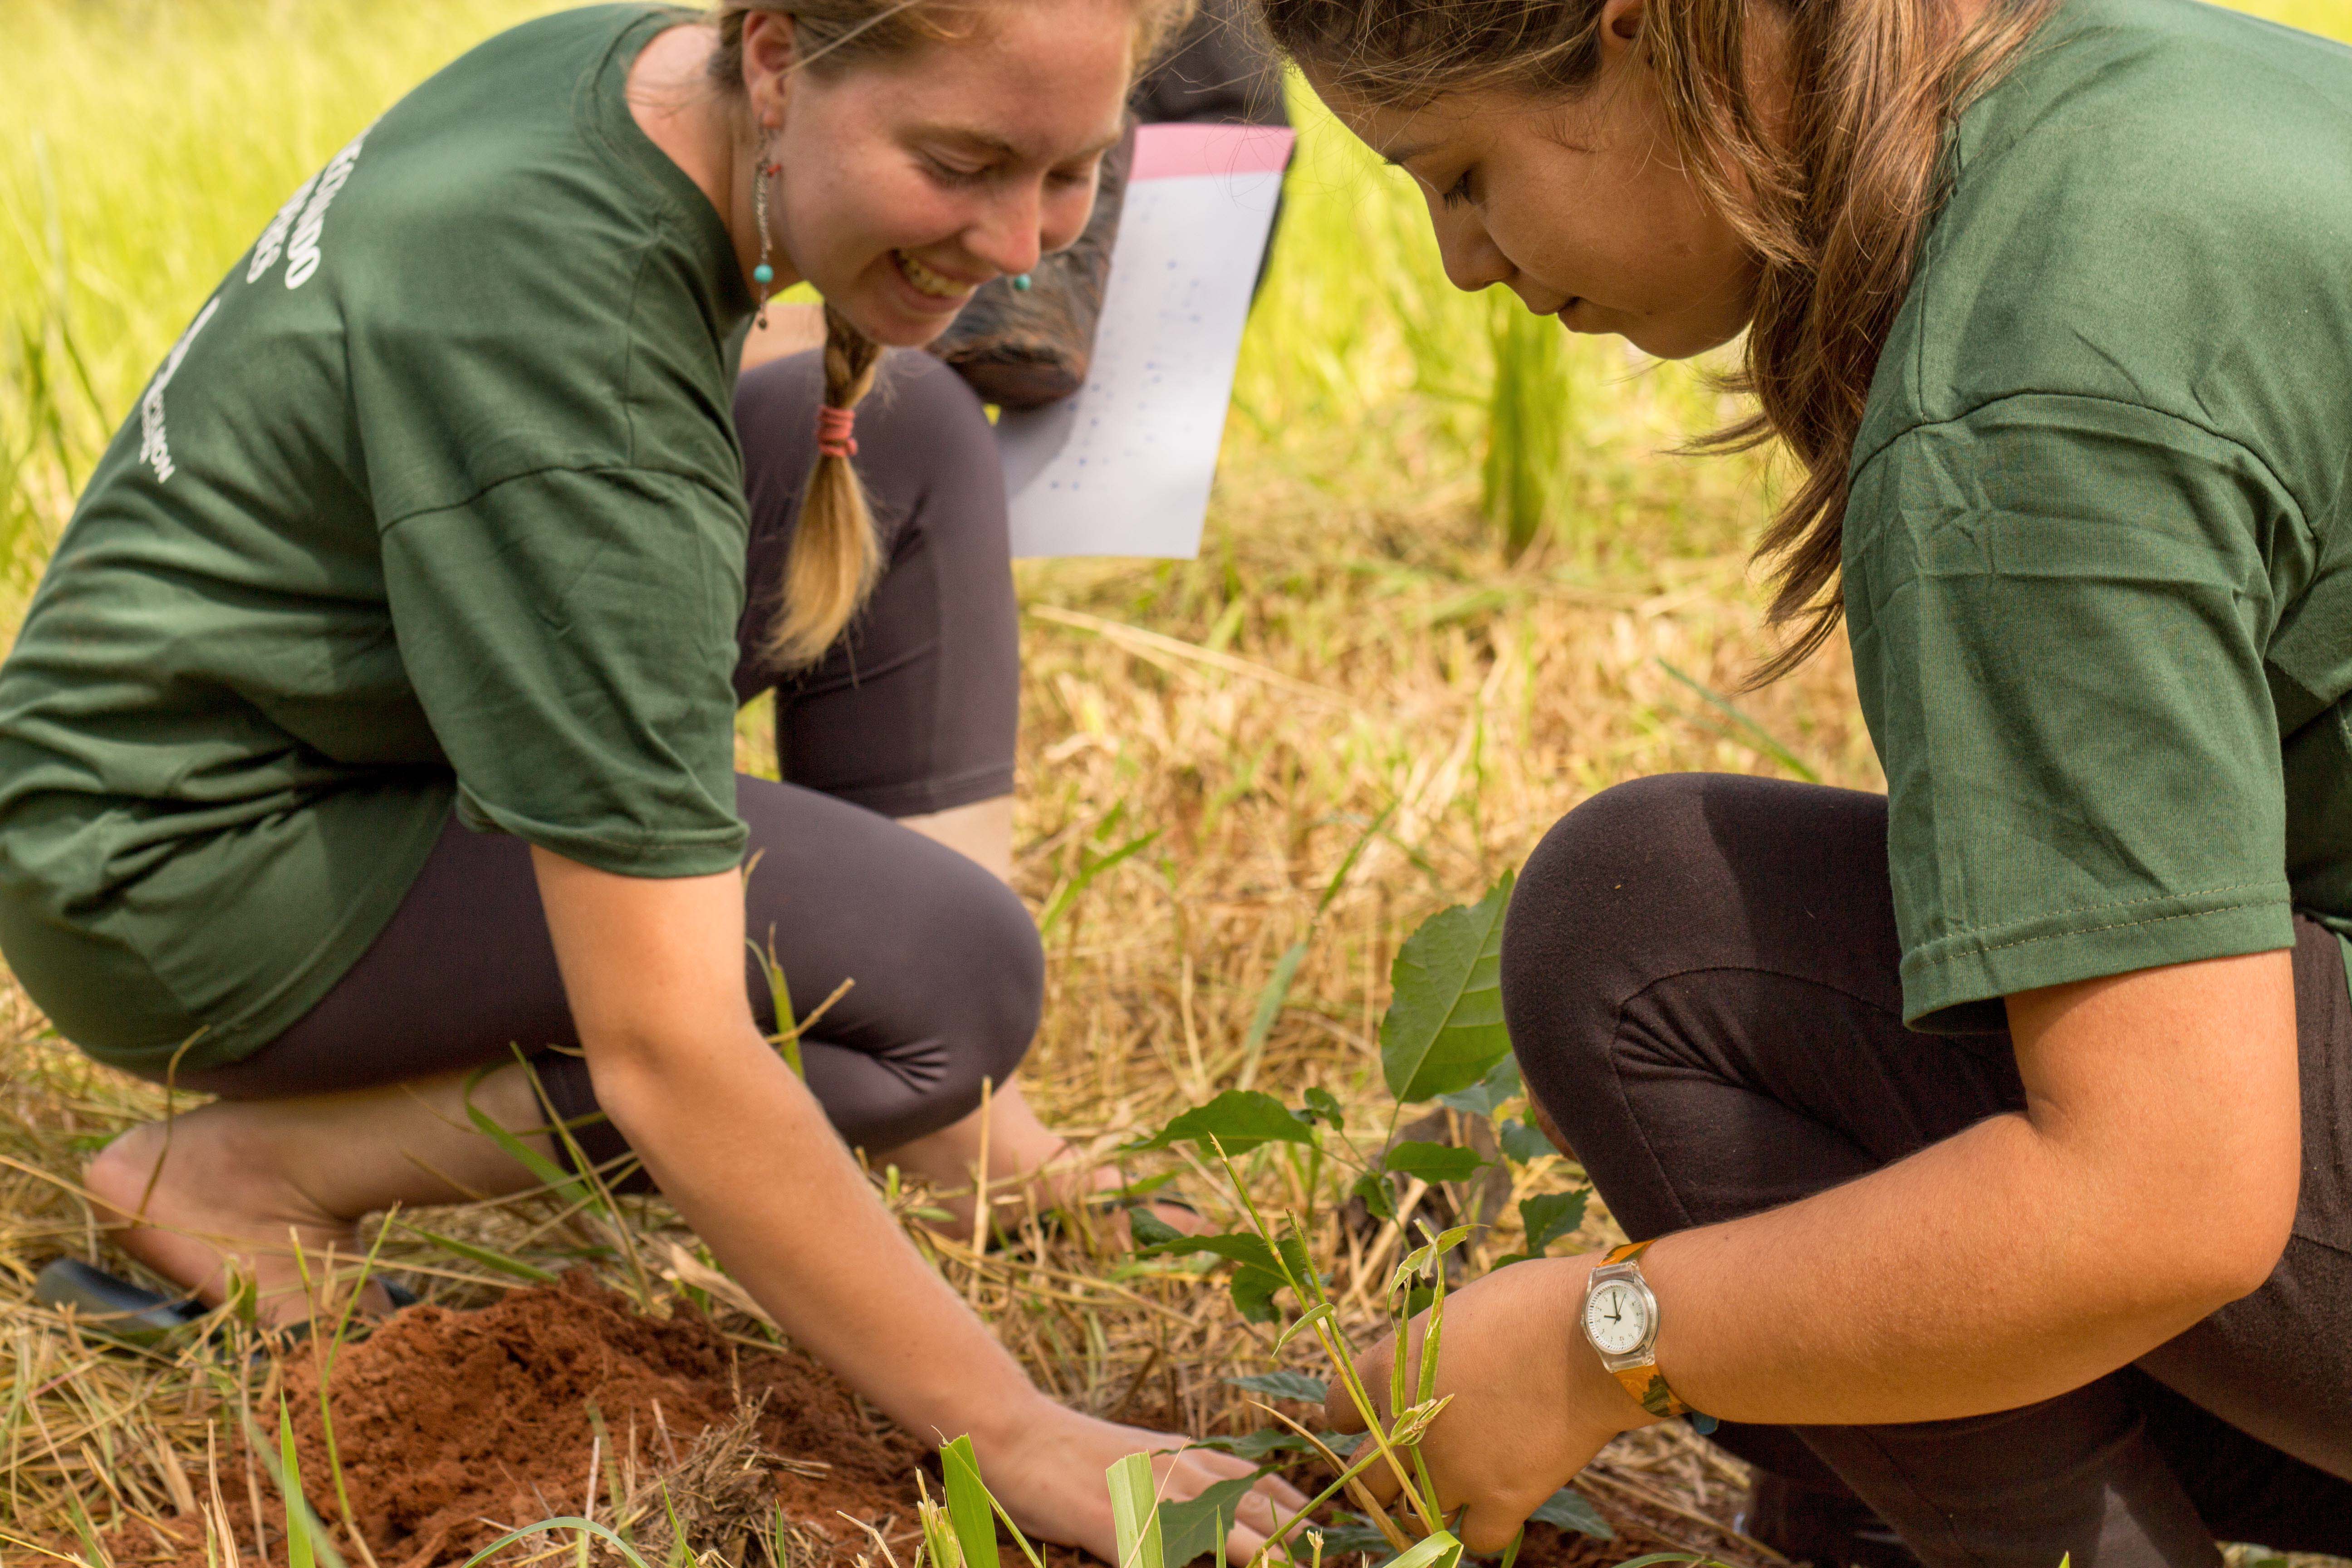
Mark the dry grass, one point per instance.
(1349, 644)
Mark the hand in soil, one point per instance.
(1049, 1476)
(1531, 1403)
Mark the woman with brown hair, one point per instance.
(1987, 1145)
(375, 720)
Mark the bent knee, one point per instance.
(1590, 915)
(1607, 874)
(924, 427)
(987, 984)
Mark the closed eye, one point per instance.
(949, 174)
(1458, 194)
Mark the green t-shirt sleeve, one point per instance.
(571, 634)
(2059, 605)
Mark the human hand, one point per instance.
(1047, 1469)
(1531, 1403)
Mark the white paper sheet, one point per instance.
(1124, 466)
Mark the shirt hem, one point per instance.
(259, 1023)
(1945, 983)
(686, 855)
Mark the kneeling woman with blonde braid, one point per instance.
(376, 712)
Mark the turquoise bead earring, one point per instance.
(1020, 282)
(763, 274)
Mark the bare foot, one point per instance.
(220, 1203)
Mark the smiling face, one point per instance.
(1580, 208)
(910, 181)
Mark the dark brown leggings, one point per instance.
(913, 712)
(1699, 972)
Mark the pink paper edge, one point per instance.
(1174, 152)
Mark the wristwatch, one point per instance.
(1621, 1319)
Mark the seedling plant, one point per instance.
(1442, 1040)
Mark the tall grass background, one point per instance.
(1453, 581)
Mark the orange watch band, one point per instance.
(1645, 1382)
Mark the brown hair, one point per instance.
(1831, 198)
(835, 556)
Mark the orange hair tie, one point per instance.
(833, 431)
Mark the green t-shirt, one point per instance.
(2098, 561)
(438, 497)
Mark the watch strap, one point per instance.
(1642, 1380)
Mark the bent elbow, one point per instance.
(2247, 1251)
(2235, 1247)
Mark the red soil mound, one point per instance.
(454, 1427)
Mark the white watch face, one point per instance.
(1617, 1318)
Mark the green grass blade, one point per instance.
(1134, 1512)
(970, 1508)
(1764, 740)
(87, 1534)
(545, 1526)
(1269, 1007)
(546, 1171)
(300, 1548)
(1441, 1550)
(483, 1256)
(1089, 869)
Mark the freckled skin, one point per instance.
(1582, 208)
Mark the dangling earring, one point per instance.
(763, 274)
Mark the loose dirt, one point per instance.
(456, 1427)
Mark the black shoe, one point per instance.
(1820, 1528)
(114, 1308)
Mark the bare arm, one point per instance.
(2022, 1258)
(654, 969)
(2034, 1251)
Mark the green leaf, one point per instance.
(1235, 1247)
(1240, 1119)
(1568, 1508)
(969, 1509)
(1253, 1291)
(1439, 1551)
(1193, 1528)
(1377, 1195)
(1423, 1256)
(1483, 1097)
(1523, 1142)
(1149, 1230)
(1283, 1385)
(1253, 1283)
(1444, 1030)
(1134, 1512)
(1322, 1106)
(1433, 1162)
(1313, 1316)
(1551, 1216)
(1256, 1446)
